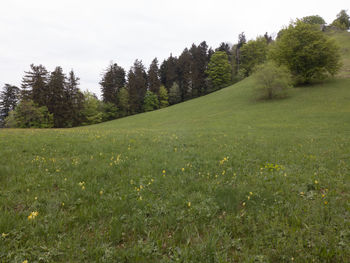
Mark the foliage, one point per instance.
(153, 76)
(109, 111)
(313, 20)
(34, 85)
(123, 101)
(163, 97)
(174, 94)
(8, 100)
(272, 81)
(150, 102)
(112, 80)
(137, 87)
(91, 113)
(308, 53)
(219, 70)
(252, 54)
(29, 115)
(342, 21)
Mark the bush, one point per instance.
(28, 115)
(307, 52)
(272, 81)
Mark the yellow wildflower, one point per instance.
(33, 215)
(163, 171)
(316, 182)
(189, 204)
(325, 202)
(101, 192)
(4, 235)
(183, 169)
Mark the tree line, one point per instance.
(53, 99)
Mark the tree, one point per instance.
(74, 100)
(150, 102)
(57, 101)
(168, 72)
(313, 20)
(9, 97)
(241, 41)
(34, 85)
(153, 77)
(137, 87)
(342, 21)
(109, 111)
(306, 52)
(219, 70)
(112, 80)
(27, 114)
(184, 75)
(123, 98)
(163, 97)
(91, 113)
(174, 94)
(252, 54)
(272, 81)
(199, 64)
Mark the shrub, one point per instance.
(272, 81)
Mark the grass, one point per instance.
(221, 178)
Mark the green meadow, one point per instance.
(221, 178)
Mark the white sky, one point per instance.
(87, 35)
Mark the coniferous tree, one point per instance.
(34, 85)
(174, 94)
(184, 75)
(112, 81)
(168, 72)
(57, 102)
(153, 77)
(199, 64)
(137, 86)
(9, 98)
(74, 100)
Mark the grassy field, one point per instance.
(222, 178)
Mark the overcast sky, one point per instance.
(87, 35)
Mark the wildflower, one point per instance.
(81, 183)
(25, 261)
(4, 235)
(325, 202)
(243, 204)
(301, 193)
(248, 197)
(140, 198)
(101, 192)
(316, 182)
(33, 215)
(163, 171)
(323, 195)
(189, 204)
(62, 204)
(83, 187)
(65, 179)
(36, 198)
(182, 169)
(250, 193)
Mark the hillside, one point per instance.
(221, 178)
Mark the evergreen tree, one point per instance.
(112, 80)
(74, 100)
(34, 85)
(9, 98)
(199, 64)
(137, 87)
(168, 72)
(184, 75)
(237, 48)
(153, 77)
(163, 97)
(57, 102)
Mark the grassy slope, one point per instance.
(299, 208)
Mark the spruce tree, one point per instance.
(184, 75)
(112, 80)
(57, 103)
(74, 100)
(34, 85)
(199, 64)
(137, 87)
(9, 98)
(153, 77)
